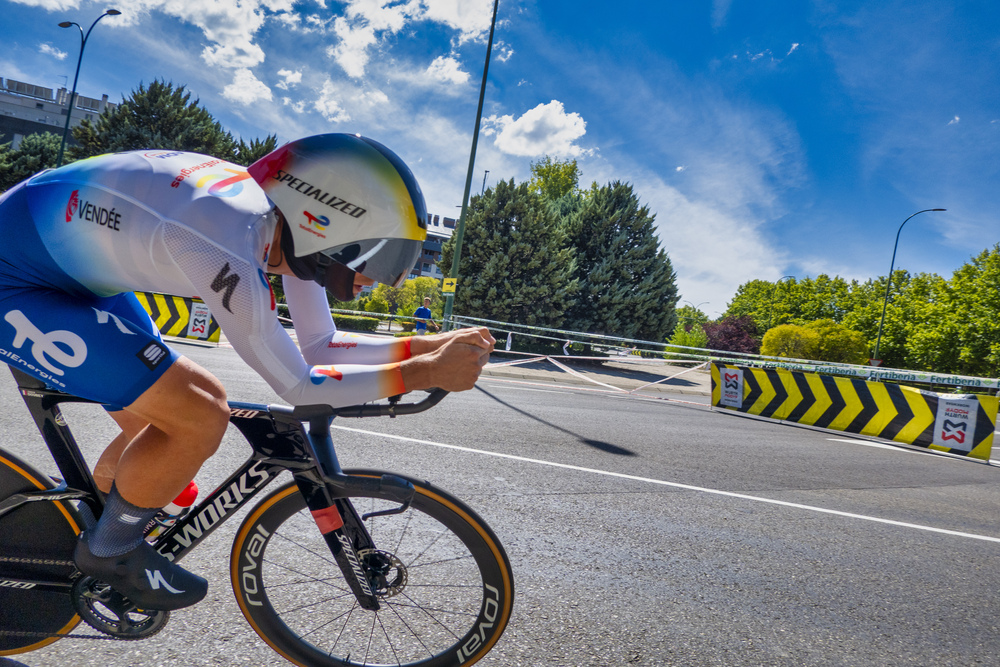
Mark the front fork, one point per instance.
(344, 530)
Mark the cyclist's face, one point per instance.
(361, 281)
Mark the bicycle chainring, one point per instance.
(386, 573)
(107, 610)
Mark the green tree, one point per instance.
(791, 341)
(820, 298)
(515, 264)
(35, 153)
(792, 301)
(415, 289)
(162, 116)
(689, 316)
(767, 303)
(553, 179)
(246, 154)
(959, 331)
(627, 284)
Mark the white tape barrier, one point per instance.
(745, 359)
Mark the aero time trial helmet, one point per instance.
(348, 201)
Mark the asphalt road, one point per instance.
(644, 532)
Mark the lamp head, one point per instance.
(112, 12)
(939, 209)
(66, 24)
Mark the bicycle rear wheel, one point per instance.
(36, 562)
(445, 601)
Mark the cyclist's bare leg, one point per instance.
(104, 471)
(186, 415)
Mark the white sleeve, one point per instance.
(319, 339)
(238, 294)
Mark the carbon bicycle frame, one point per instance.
(279, 442)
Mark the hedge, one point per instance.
(347, 322)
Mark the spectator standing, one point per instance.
(423, 316)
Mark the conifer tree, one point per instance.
(36, 152)
(515, 265)
(162, 116)
(627, 284)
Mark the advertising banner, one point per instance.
(953, 423)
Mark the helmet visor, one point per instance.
(388, 261)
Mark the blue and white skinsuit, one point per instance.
(79, 240)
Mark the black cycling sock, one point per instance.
(120, 529)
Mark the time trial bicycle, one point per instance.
(335, 567)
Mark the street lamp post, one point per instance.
(79, 60)
(696, 308)
(888, 281)
(770, 311)
(449, 297)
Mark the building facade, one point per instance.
(439, 230)
(29, 109)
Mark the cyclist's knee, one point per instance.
(186, 402)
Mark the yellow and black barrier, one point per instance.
(180, 316)
(955, 423)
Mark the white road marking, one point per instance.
(676, 485)
(881, 445)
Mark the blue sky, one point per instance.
(769, 138)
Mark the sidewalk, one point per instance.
(621, 374)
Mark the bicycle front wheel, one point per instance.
(445, 601)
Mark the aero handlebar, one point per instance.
(393, 408)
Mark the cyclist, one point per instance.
(335, 211)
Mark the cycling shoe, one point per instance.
(143, 576)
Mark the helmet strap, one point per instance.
(334, 276)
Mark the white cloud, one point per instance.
(794, 48)
(470, 19)
(711, 271)
(360, 27)
(367, 22)
(328, 103)
(954, 121)
(239, 55)
(50, 5)
(298, 106)
(545, 130)
(351, 53)
(50, 50)
(289, 78)
(229, 27)
(503, 51)
(246, 89)
(447, 70)
(720, 9)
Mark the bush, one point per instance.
(355, 322)
(733, 334)
(791, 341)
(822, 340)
(686, 335)
(347, 322)
(839, 344)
